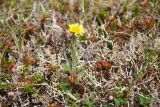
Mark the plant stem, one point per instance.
(82, 5)
(74, 55)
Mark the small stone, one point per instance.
(10, 93)
(111, 97)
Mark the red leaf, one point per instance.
(103, 65)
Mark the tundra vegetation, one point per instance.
(80, 53)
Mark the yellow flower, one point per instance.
(76, 29)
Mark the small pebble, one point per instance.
(10, 93)
(111, 97)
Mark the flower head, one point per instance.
(76, 29)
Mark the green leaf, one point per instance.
(66, 66)
(38, 78)
(103, 13)
(144, 100)
(28, 88)
(136, 11)
(64, 87)
(120, 94)
(119, 101)
(3, 85)
(81, 72)
(116, 90)
(82, 37)
(110, 45)
(106, 105)
(40, 42)
(4, 77)
(89, 103)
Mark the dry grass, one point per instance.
(118, 58)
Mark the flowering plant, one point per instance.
(78, 31)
